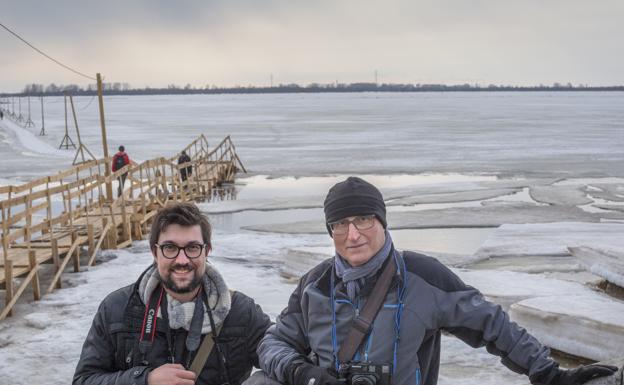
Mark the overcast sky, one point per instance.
(242, 42)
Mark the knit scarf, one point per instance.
(180, 314)
(355, 277)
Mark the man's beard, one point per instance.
(171, 285)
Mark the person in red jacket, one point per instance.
(120, 159)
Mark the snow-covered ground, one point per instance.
(441, 160)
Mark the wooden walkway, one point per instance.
(49, 220)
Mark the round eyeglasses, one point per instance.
(361, 222)
(171, 250)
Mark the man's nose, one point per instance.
(182, 257)
(352, 231)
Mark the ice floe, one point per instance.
(550, 238)
(604, 262)
(585, 325)
(568, 195)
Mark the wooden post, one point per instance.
(106, 241)
(113, 233)
(74, 236)
(107, 165)
(55, 259)
(136, 227)
(8, 282)
(125, 233)
(42, 132)
(91, 240)
(32, 262)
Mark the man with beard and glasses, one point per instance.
(155, 331)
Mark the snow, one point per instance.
(31, 143)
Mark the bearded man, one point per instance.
(161, 329)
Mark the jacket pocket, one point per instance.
(127, 353)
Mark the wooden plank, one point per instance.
(57, 276)
(98, 245)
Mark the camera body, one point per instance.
(365, 373)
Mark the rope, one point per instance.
(44, 54)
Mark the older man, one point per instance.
(154, 331)
(328, 332)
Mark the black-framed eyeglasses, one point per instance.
(361, 222)
(171, 250)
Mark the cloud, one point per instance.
(159, 42)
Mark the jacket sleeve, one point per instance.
(285, 342)
(114, 162)
(258, 325)
(465, 313)
(97, 360)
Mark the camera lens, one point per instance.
(363, 379)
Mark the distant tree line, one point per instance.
(172, 89)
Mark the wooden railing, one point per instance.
(50, 218)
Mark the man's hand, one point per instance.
(582, 374)
(171, 374)
(307, 374)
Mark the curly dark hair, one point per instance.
(183, 214)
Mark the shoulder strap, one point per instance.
(203, 352)
(363, 322)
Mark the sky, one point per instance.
(248, 42)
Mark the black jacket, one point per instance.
(110, 354)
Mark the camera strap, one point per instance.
(363, 322)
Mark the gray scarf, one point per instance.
(354, 277)
(180, 314)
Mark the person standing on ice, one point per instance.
(328, 333)
(120, 159)
(161, 329)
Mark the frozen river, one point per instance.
(562, 133)
(453, 166)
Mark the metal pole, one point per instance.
(42, 119)
(107, 165)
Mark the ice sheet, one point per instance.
(508, 287)
(587, 325)
(605, 262)
(550, 238)
(568, 195)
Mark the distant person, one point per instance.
(328, 335)
(185, 172)
(1, 115)
(120, 159)
(153, 331)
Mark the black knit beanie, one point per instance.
(352, 197)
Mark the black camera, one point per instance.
(365, 373)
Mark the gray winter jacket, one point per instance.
(424, 299)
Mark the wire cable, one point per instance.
(46, 55)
